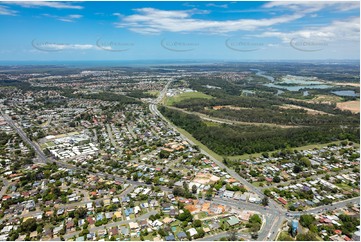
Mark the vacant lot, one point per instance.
(228, 106)
(185, 95)
(353, 106)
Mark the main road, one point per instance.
(22, 134)
(273, 221)
(154, 109)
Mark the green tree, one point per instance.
(197, 223)
(265, 201)
(194, 189)
(29, 225)
(306, 220)
(276, 179)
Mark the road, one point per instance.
(154, 109)
(273, 218)
(110, 134)
(22, 134)
(277, 216)
(329, 207)
(4, 188)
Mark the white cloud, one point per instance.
(151, 21)
(340, 30)
(71, 46)
(6, 11)
(312, 6)
(68, 18)
(59, 5)
(53, 46)
(217, 5)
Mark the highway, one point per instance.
(274, 219)
(25, 138)
(154, 109)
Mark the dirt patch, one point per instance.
(351, 84)
(353, 106)
(192, 208)
(328, 99)
(205, 178)
(229, 107)
(309, 110)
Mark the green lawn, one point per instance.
(344, 186)
(202, 215)
(47, 144)
(186, 95)
(153, 92)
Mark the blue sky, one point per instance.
(179, 30)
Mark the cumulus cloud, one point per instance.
(6, 11)
(314, 6)
(56, 46)
(217, 5)
(340, 30)
(68, 18)
(151, 21)
(58, 5)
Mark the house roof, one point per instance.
(233, 221)
(181, 235)
(170, 238)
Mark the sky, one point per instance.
(129, 30)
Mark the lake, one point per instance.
(346, 93)
(297, 88)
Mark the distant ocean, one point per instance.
(134, 63)
(144, 63)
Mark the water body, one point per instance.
(261, 73)
(304, 83)
(270, 78)
(305, 93)
(301, 81)
(297, 88)
(346, 93)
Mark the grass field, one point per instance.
(186, 95)
(153, 92)
(353, 106)
(327, 99)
